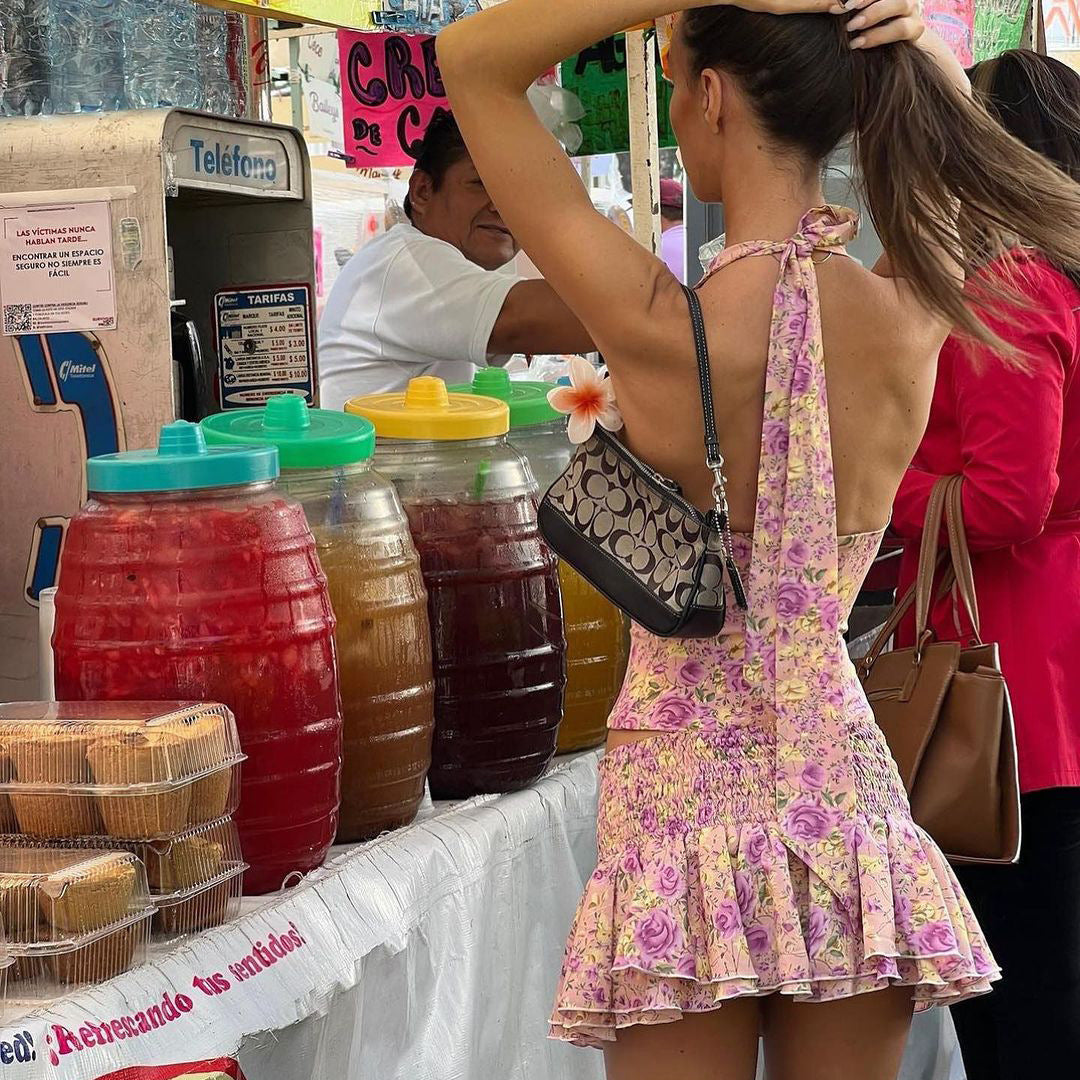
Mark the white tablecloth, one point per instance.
(430, 954)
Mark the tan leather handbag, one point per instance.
(944, 707)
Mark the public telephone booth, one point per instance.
(153, 265)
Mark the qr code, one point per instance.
(17, 318)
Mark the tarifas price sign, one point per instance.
(390, 89)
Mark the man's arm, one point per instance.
(534, 320)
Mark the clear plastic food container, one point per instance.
(492, 582)
(134, 770)
(72, 918)
(376, 588)
(597, 633)
(195, 880)
(189, 574)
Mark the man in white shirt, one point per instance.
(432, 297)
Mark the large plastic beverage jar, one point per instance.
(597, 633)
(493, 587)
(383, 638)
(189, 576)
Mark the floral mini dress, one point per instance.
(763, 842)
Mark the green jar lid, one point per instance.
(305, 438)
(527, 400)
(181, 462)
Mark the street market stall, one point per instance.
(426, 952)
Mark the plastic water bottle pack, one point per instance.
(160, 58)
(69, 56)
(85, 49)
(212, 31)
(24, 66)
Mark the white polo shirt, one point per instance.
(406, 304)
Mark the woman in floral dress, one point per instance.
(756, 849)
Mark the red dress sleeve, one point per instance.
(1009, 422)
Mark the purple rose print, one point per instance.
(657, 936)
(771, 521)
(774, 437)
(813, 776)
(687, 966)
(902, 911)
(798, 552)
(726, 919)
(676, 828)
(792, 600)
(758, 938)
(649, 820)
(835, 696)
(672, 712)
(744, 892)
(829, 613)
(885, 966)
(691, 673)
(854, 833)
(756, 848)
(807, 822)
(816, 929)
(631, 863)
(802, 377)
(668, 882)
(936, 937)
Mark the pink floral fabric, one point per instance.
(766, 843)
(698, 898)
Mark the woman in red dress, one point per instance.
(1014, 435)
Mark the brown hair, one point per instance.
(1037, 99)
(921, 146)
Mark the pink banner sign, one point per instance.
(390, 89)
(954, 21)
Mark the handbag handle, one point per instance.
(919, 593)
(961, 555)
(945, 501)
(928, 556)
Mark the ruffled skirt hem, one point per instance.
(681, 924)
(594, 1027)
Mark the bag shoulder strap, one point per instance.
(719, 516)
(713, 457)
(961, 555)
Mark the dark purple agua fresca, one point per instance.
(499, 649)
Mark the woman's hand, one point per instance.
(873, 22)
(881, 22)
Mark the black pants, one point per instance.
(1029, 1027)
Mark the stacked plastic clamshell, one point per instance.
(127, 769)
(155, 782)
(72, 918)
(195, 879)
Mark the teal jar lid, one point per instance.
(527, 400)
(305, 438)
(181, 462)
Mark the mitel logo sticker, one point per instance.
(69, 369)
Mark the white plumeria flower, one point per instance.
(588, 400)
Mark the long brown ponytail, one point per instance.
(921, 146)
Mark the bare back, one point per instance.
(880, 351)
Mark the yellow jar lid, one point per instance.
(426, 410)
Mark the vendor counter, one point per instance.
(428, 954)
